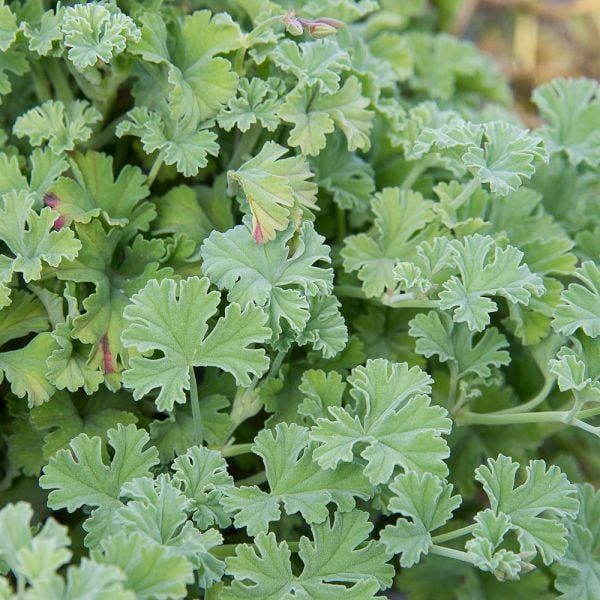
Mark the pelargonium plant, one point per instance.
(292, 306)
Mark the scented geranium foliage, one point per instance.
(292, 306)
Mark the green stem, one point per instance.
(250, 37)
(245, 147)
(450, 535)
(349, 291)
(196, 415)
(466, 193)
(59, 80)
(158, 161)
(236, 450)
(41, 84)
(451, 553)
(415, 172)
(564, 417)
(255, 479)
(104, 137)
(534, 402)
(341, 225)
(407, 301)
(276, 364)
(453, 386)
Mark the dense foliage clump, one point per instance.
(292, 306)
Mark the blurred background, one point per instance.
(534, 40)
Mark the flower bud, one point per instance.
(294, 27)
(321, 30)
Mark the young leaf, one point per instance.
(182, 142)
(579, 569)
(202, 476)
(294, 480)
(580, 304)
(172, 318)
(428, 501)
(399, 217)
(315, 115)
(331, 562)
(95, 33)
(319, 62)
(482, 276)
(276, 189)
(572, 109)
(534, 507)
(392, 416)
(269, 276)
(437, 334)
(79, 476)
(257, 102)
(62, 126)
(31, 239)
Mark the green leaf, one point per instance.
(315, 115)
(294, 481)
(276, 189)
(202, 476)
(506, 158)
(45, 168)
(345, 175)
(580, 304)
(533, 507)
(66, 417)
(101, 323)
(200, 82)
(579, 569)
(151, 571)
(269, 276)
(481, 276)
(400, 216)
(25, 315)
(320, 390)
(93, 191)
(8, 27)
(331, 560)
(28, 555)
(392, 417)
(172, 318)
(578, 368)
(94, 33)
(428, 501)
(25, 369)
(572, 109)
(79, 476)
(319, 62)
(159, 511)
(438, 335)
(30, 238)
(61, 125)
(325, 329)
(182, 142)
(257, 101)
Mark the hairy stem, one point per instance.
(415, 172)
(245, 147)
(276, 364)
(451, 553)
(349, 291)
(534, 402)
(158, 161)
(466, 193)
(59, 80)
(41, 85)
(450, 535)
(563, 416)
(236, 450)
(255, 479)
(196, 416)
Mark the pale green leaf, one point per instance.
(172, 318)
(391, 415)
(294, 481)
